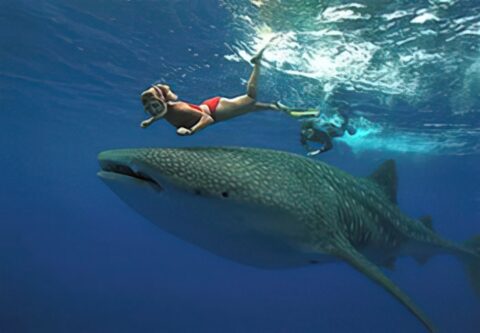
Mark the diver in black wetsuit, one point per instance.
(323, 131)
(319, 128)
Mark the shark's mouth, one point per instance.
(125, 170)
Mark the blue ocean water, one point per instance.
(74, 258)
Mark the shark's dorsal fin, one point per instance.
(427, 221)
(389, 263)
(386, 177)
(345, 251)
(422, 259)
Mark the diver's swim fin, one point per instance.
(259, 54)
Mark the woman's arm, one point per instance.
(167, 92)
(148, 122)
(203, 122)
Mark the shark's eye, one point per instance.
(225, 194)
(198, 192)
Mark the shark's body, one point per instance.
(274, 209)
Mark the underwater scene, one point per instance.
(240, 166)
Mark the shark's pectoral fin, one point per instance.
(344, 250)
(427, 221)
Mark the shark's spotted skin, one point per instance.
(274, 209)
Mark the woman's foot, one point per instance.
(281, 107)
(257, 57)
(296, 112)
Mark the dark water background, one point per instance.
(74, 258)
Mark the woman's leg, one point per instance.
(293, 112)
(229, 108)
(232, 107)
(267, 106)
(252, 81)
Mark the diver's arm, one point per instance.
(327, 145)
(304, 143)
(310, 151)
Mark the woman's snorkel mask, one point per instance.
(154, 102)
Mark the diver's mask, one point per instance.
(307, 132)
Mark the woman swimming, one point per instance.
(161, 102)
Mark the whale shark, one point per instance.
(274, 209)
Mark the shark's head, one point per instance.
(206, 172)
(146, 168)
(252, 176)
(214, 196)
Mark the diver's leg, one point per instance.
(346, 123)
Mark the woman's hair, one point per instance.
(159, 92)
(155, 93)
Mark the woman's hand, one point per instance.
(148, 122)
(184, 131)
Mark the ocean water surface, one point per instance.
(75, 258)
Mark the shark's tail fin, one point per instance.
(473, 262)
